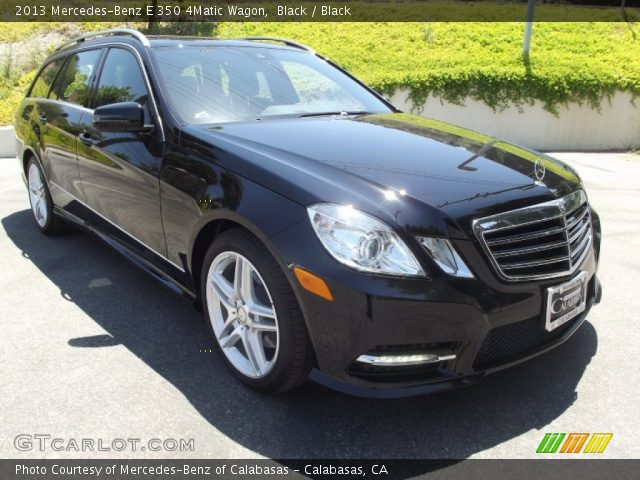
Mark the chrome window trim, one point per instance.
(119, 227)
(540, 212)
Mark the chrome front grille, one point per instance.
(547, 240)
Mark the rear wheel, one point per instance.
(253, 314)
(41, 203)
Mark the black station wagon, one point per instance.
(324, 233)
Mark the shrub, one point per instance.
(570, 62)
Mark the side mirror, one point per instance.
(120, 117)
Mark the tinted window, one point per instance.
(121, 79)
(42, 85)
(217, 85)
(73, 85)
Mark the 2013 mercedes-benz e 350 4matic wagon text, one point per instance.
(323, 232)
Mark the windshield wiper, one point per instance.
(328, 114)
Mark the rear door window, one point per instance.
(74, 84)
(42, 84)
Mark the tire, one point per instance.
(230, 310)
(41, 203)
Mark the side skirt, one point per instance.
(136, 259)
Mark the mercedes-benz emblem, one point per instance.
(539, 170)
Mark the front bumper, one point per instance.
(486, 323)
(445, 377)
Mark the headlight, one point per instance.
(446, 256)
(360, 241)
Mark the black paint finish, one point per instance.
(161, 195)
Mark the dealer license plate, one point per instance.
(566, 301)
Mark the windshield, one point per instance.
(220, 84)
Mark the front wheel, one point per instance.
(253, 314)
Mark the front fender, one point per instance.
(197, 193)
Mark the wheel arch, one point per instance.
(27, 154)
(229, 220)
(209, 231)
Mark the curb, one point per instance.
(7, 142)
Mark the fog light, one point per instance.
(403, 360)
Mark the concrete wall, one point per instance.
(577, 128)
(615, 127)
(7, 142)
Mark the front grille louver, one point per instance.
(547, 240)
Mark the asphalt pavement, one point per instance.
(93, 348)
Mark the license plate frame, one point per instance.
(566, 301)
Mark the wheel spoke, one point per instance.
(237, 277)
(255, 350)
(247, 283)
(36, 209)
(264, 327)
(224, 290)
(228, 322)
(243, 280)
(39, 214)
(231, 339)
(43, 211)
(261, 310)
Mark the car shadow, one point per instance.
(168, 335)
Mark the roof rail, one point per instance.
(105, 33)
(288, 43)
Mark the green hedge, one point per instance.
(570, 62)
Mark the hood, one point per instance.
(455, 171)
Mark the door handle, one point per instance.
(43, 118)
(86, 138)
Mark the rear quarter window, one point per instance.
(43, 82)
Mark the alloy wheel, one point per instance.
(242, 314)
(37, 196)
